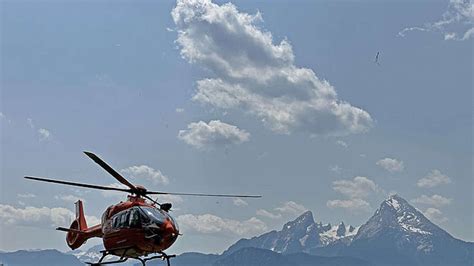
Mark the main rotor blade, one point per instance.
(110, 170)
(202, 195)
(76, 184)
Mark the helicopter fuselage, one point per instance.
(136, 228)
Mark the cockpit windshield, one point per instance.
(155, 215)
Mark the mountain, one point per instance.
(50, 257)
(301, 235)
(399, 234)
(90, 255)
(263, 257)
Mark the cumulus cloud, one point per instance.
(43, 217)
(353, 205)
(254, 74)
(356, 190)
(391, 165)
(433, 179)
(291, 207)
(267, 214)
(26, 195)
(204, 135)
(435, 215)
(342, 143)
(212, 224)
(359, 187)
(435, 200)
(170, 198)
(116, 194)
(457, 23)
(68, 198)
(287, 208)
(32, 216)
(240, 202)
(144, 172)
(44, 134)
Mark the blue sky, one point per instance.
(206, 101)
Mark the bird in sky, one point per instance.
(377, 58)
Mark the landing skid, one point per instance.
(163, 256)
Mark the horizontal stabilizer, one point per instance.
(69, 230)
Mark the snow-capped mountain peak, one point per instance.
(397, 214)
(300, 235)
(303, 221)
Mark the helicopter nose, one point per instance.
(170, 229)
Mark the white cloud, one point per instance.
(92, 220)
(32, 216)
(179, 110)
(256, 75)
(240, 202)
(26, 195)
(212, 224)
(433, 179)
(170, 198)
(356, 190)
(144, 172)
(42, 217)
(435, 200)
(291, 207)
(359, 187)
(216, 133)
(353, 205)
(267, 214)
(342, 143)
(391, 165)
(116, 194)
(44, 134)
(68, 198)
(435, 215)
(457, 23)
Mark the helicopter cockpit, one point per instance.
(138, 217)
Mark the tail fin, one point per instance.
(76, 234)
(80, 217)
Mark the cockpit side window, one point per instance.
(124, 219)
(116, 221)
(135, 218)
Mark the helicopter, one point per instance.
(135, 229)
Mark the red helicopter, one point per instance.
(133, 229)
